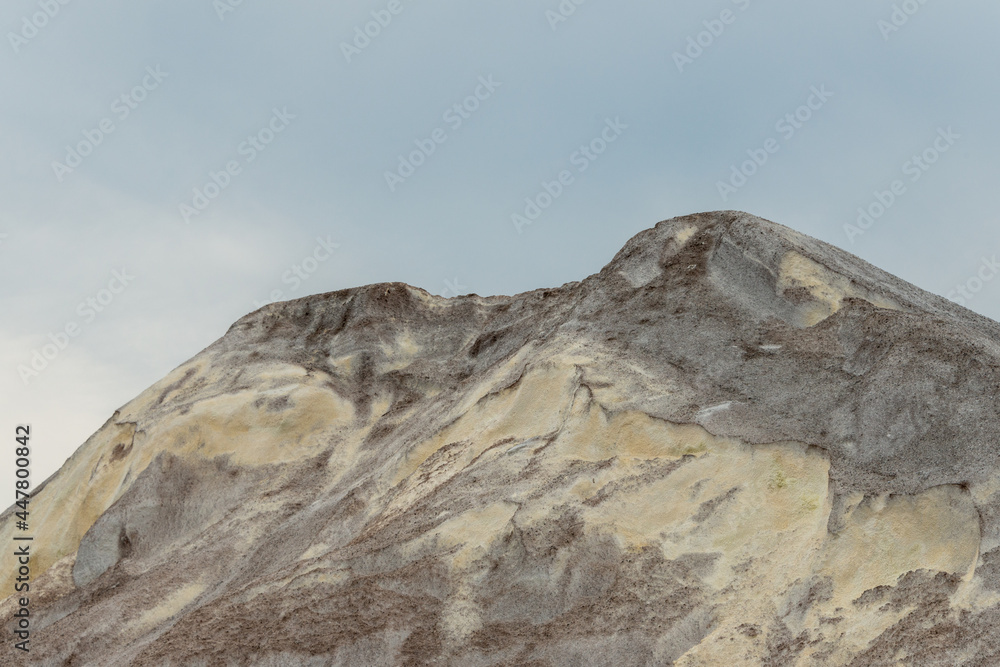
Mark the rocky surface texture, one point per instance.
(735, 445)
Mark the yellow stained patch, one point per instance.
(475, 530)
(158, 394)
(758, 518)
(935, 530)
(883, 539)
(252, 435)
(591, 436)
(771, 508)
(401, 353)
(100, 471)
(685, 234)
(827, 288)
(176, 602)
(535, 406)
(61, 513)
(315, 550)
(342, 364)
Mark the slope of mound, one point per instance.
(733, 445)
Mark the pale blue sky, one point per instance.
(198, 82)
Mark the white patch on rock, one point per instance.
(527, 443)
(643, 274)
(708, 412)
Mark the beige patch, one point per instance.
(100, 471)
(592, 436)
(935, 530)
(535, 406)
(475, 530)
(685, 234)
(401, 353)
(173, 604)
(252, 435)
(827, 288)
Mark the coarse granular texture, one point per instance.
(735, 445)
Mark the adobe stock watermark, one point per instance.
(900, 16)
(966, 292)
(714, 29)
(223, 7)
(33, 23)
(302, 270)
(915, 168)
(122, 107)
(454, 288)
(562, 13)
(218, 181)
(88, 310)
(581, 158)
(363, 35)
(455, 116)
(787, 126)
